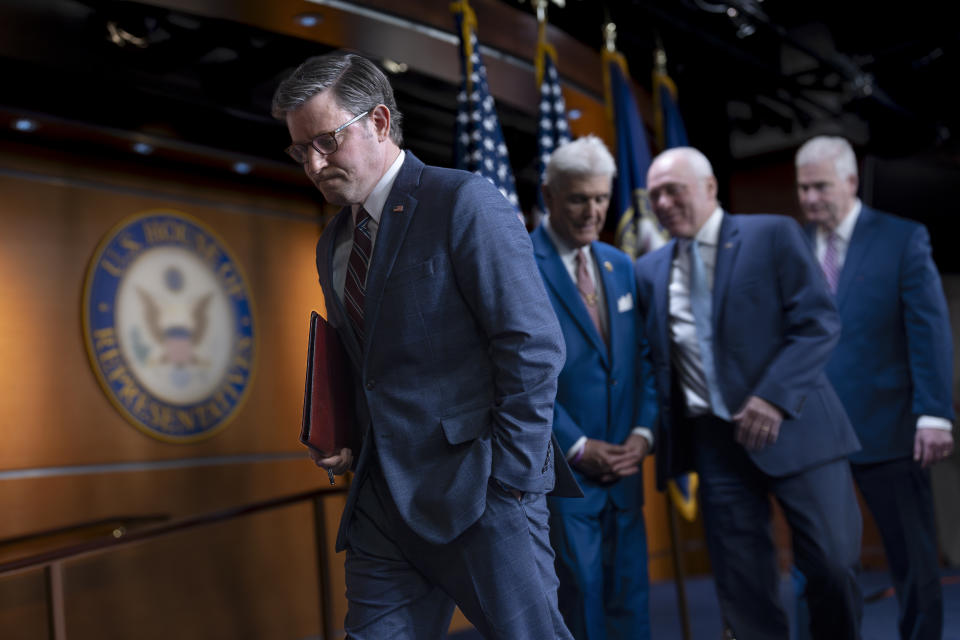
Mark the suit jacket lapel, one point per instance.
(728, 244)
(857, 250)
(611, 293)
(558, 278)
(661, 295)
(394, 219)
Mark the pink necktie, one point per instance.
(355, 286)
(830, 265)
(588, 292)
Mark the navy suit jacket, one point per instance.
(456, 378)
(774, 328)
(894, 361)
(601, 393)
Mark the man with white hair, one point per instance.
(893, 367)
(606, 401)
(741, 326)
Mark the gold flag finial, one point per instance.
(660, 60)
(610, 36)
(541, 7)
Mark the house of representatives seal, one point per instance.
(169, 326)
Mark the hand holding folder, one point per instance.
(328, 413)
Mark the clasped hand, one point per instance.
(608, 462)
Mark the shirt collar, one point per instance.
(709, 233)
(378, 197)
(844, 230)
(562, 247)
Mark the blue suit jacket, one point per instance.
(456, 377)
(774, 327)
(894, 361)
(601, 394)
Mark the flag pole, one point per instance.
(678, 571)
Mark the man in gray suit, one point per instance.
(740, 327)
(430, 279)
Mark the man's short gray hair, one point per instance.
(357, 84)
(586, 156)
(822, 148)
(698, 162)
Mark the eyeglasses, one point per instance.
(324, 143)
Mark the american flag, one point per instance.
(552, 127)
(480, 147)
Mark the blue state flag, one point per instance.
(668, 121)
(480, 147)
(638, 231)
(670, 131)
(683, 493)
(553, 130)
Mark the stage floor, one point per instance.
(879, 613)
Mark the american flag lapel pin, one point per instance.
(398, 208)
(728, 245)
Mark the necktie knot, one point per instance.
(363, 218)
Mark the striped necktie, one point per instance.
(831, 263)
(355, 286)
(701, 304)
(588, 292)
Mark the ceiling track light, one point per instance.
(393, 66)
(308, 19)
(26, 125)
(744, 28)
(121, 37)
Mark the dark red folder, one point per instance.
(328, 394)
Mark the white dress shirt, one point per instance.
(568, 255)
(844, 232)
(683, 330)
(374, 206)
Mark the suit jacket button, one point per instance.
(371, 384)
(613, 382)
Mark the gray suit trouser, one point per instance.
(500, 571)
(821, 509)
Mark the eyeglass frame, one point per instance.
(333, 136)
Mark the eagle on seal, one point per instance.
(177, 341)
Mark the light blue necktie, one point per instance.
(702, 308)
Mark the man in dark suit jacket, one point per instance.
(429, 277)
(606, 401)
(740, 327)
(893, 367)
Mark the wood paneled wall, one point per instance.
(69, 457)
